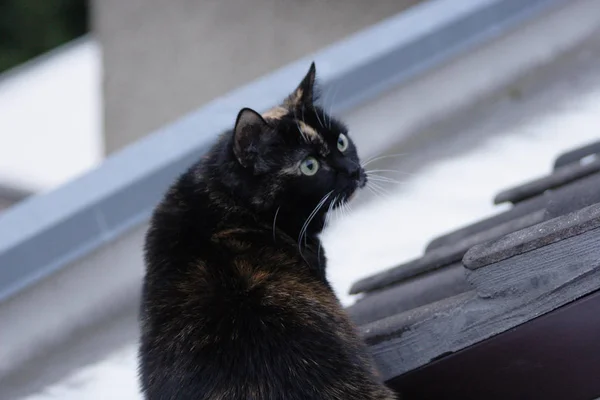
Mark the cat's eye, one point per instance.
(342, 142)
(309, 166)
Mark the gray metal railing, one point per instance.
(44, 233)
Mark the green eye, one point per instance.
(309, 166)
(342, 142)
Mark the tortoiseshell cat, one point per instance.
(236, 304)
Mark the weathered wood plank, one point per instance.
(531, 238)
(410, 340)
(443, 256)
(412, 293)
(560, 177)
(554, 357)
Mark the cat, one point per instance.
(235, 303)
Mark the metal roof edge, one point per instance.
(45, 232)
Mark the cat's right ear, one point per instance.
(249, 127)
(304, 94)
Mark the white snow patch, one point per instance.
(50, 118)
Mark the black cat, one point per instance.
(236, 304)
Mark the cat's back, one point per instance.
(231, 310)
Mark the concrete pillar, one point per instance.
(164, 58)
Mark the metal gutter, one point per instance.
(43, 234)
(13, 194)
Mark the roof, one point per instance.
(492, 277)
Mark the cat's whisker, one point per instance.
(328, 215)
(346, 209)
(381, 189)
(349, 208)
(275, 221)
(331, 105)
(378, 175)
(377, 187)
(368, 187)
(299, 129)
(319, 253)
(303, 115)
(310, 218)
(389, 170)
(369, 161)
(339, 206)
(376, 183)
(354, 162)
(379, 195)
(376, 194)
(384, 179)
(316, 112)
(325, 101)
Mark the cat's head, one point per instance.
(295, 154)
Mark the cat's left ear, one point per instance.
(304, 93)
(249, 127)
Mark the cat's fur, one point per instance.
(235, 305)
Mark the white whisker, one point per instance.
(383, 179)
(331, 105)
(369, 161)
(344, 209)
(328, 215)
(381, 189)
(373, 191)
(309, 219)
(299, 129)
(318, 119)
(378, 188)
(274, 221)
(325, 99)
(388, 170)
(377, 194)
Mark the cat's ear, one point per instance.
(249, 127)
(304, 93)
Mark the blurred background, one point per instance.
(91, 90)
(82, 82)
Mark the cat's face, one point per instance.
(297, 154)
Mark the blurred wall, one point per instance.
(164, 58)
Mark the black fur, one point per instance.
(235, 304)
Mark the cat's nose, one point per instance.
(354, 171)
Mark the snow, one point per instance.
(50, 118)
